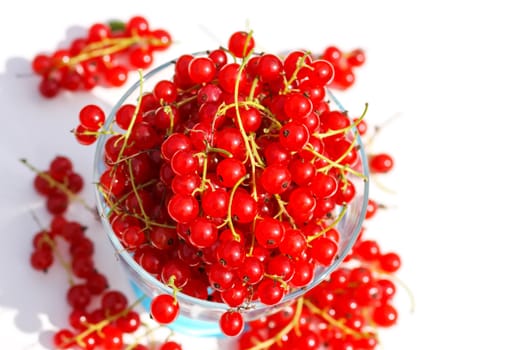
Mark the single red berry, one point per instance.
(269, 232)
(49, 87)
(201, 70)
(323, 250)
(84, 136)
(384, 315)
(270, 291)
(41, 64)
(269, 67)
(164, 308)
(163, 40)
(78, 296)
(41, 259)
(390, 262)
(116, 76)
(183, 208)
(112, 337)
(137, 25)
(294, 136)
(98, 32)
(231, 323)
(241, 43)
(64, 339)
(230, 171)
(91, 117)
(356, 57)
(57, 203)
(380, 163)
(140, 57)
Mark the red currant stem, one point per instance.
(251, 103)
(96, 327)
(252, 88)
(254, 147)
(110, 46)
(336, 164)
(349, 149)
(342, 177)
(47, 240)
(186, 100)
(154, 223)
(380, 185)
(62, 187)
(241, 128)
(95, 133)
(277, 279)
(204, 180)
(230, 202)
(134, 117)
(252, 243)
(63, 263)
(300, 64)
(246, 43)
(220, 150)
(294, 323)
(171, 283)
(329, 227)
(282, 209)
(146, 219)
(113, 205)
(126, 158)
(204, 154)
(353, 125)
(52, 244)
(336, 323)
(213, 129)
(168, 110)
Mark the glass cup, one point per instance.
(200, 317)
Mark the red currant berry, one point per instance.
(164, 308)
(380, 163)
(384, 315)
(91, 117)
(231, 323)
(241, 43)
(201, 70)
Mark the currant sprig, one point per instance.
(103, 57)
(111, 323)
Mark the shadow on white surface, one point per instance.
(33, 304)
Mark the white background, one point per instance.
(453, 72)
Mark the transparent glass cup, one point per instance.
(200, 317)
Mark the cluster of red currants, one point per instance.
(91, 325)
(348, 309)
(227, 182)
(103, 57)
(344, 64)
(58, 184)
(343, 312)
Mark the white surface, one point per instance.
(454, 71)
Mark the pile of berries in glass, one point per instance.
(103, 57)
(233, 186)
